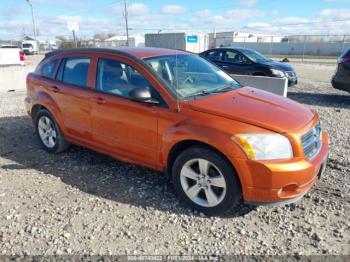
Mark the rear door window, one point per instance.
(231, 57)
(234, 57)
(74, 71)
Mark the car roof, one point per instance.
(139, 52)
(231, 48)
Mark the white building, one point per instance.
(191, 42)
(226, 38)
(120, 40)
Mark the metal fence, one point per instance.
(297, 46)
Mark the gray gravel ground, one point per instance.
(82, 202)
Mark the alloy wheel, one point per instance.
(203, 182)
(47, 131)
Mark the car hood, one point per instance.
(256, 107)
(278, 65)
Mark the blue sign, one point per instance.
(192, 39)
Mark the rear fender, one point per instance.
(45, 100)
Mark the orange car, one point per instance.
(175, 112)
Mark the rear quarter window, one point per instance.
(215, 55)
(346, 53)
(48, 69)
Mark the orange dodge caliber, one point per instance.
(175, 112)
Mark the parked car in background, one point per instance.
(176, 112)
(30, 47)
(11, 56)
(341, 77)
(244, 61)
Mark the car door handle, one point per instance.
(98, 100)
(225, 66)
(54, 89)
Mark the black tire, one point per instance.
(233, 194)
(60, 143)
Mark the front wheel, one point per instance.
(206, 181)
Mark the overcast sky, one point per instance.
(105, 16)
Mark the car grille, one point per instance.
(312, 141)
(291, 74)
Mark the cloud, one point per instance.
(138, 9)
(9, 10)
(64, 3)
(230, 18)
(323, 22)
(173, 9)
(249, 3)
(259, 25)
(146, 19)
(334, 14)
(243, 15)
(292, 20)
(134, 9)
(203, 13)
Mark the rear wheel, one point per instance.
(206, 181)
(49, 133)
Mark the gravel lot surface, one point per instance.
(82, 202)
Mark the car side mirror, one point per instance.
(142, 94)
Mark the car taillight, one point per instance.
(343, 59)
(346, 59)
(22, 56)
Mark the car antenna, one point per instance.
(177, 79)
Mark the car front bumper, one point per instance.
(281, 181)
(340, 86)
(292, 81)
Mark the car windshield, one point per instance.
(27, 45)
(255, 56)
(190, 76)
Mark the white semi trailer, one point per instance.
(30, 47)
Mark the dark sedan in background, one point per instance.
(244, 61)
(341, 78)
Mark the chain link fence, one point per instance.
(293, 46)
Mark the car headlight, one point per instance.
(277, 73)
(265, 146)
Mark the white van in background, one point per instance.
(11, 55)
(30, 47)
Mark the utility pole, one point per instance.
(214, 36)
(75, 39)
(126, 22)
(33, 19)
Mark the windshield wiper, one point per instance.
(205, 92)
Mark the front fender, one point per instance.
(195, 131)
